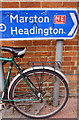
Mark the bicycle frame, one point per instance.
(12, 62)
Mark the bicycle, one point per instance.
(31, 90)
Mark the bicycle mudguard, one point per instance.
(48, 68)
(36, 68)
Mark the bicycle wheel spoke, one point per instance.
(36, 78)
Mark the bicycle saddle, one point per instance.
(17, 52)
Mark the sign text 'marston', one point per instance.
(31, 19)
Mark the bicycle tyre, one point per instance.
(37, 70)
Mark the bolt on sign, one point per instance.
(44, 23)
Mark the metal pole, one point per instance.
(59, 50)
(1, 80)
(1, 67)
(1, 75)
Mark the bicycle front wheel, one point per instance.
(38, 102)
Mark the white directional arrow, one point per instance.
(75, 24)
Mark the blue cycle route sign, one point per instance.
(44, 23)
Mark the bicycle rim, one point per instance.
(41, 105)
